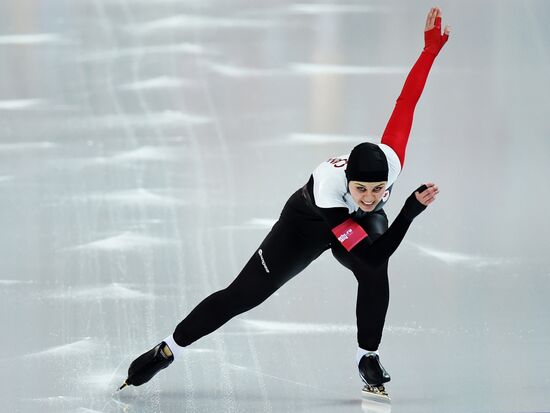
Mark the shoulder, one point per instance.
(330, 183)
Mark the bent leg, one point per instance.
(280, 257)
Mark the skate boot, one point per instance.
(374, 376)
(148, 364)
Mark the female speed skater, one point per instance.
(340, 208)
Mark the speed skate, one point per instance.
(374, 375)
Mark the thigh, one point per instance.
(284, 253)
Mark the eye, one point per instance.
(377, 189)
(361, 189)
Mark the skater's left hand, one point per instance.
(427, 196)
(433, 39)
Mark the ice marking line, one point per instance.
(15, 282)
(259, 373)
(86, 345)
(21, 104)
(450, 257)
(27, 146)
(235, 71)
(57, 400)
(309, 68)
(186, 48)
(138, 196)
(145, 153)
(86, 410)
(123, 242)
(167, 117)
(192, 22)
(254, 223)
(30, 39)
(335, 8)
(163, 82)
(277, 327)
(112, 291)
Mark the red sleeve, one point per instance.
(399, 126)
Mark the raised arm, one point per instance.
(396, 134)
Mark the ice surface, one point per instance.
(147, 148)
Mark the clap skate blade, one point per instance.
(375, 393)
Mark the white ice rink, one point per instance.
(147, 146)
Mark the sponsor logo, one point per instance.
(338, 162)
(261, 254)
(345, 235)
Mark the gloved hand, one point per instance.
(433, 39)
(419, 200)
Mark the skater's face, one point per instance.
(367, 194)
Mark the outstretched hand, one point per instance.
(433, 39)
(427, 196)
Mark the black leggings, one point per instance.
(296, 239)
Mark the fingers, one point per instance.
(430, 20)
(434, 20)
(427, 196)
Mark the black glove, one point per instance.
(413, 207)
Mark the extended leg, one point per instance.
(281, 256)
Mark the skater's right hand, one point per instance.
(433, 39)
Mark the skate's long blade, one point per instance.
(123, 386)
(377, 397)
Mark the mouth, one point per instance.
(367, 204)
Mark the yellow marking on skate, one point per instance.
(166, 352)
